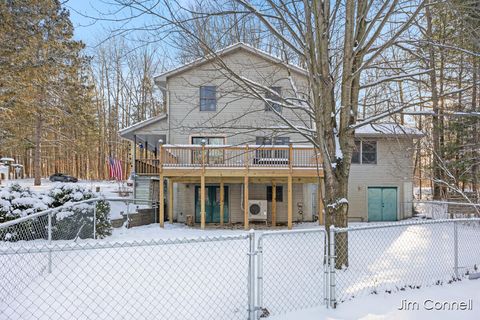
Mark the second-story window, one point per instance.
(274, 97)
(365, 152)
(208, 98)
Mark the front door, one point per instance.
(212, 204)
(382, 203)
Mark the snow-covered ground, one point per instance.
(143, 273)
(134, 277)
(386, 306)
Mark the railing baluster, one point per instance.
(229, 156)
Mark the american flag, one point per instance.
(115, 166)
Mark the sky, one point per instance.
(89, 19)
(88, 30)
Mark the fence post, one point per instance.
(455, 249)
(50, 242)
(326, 271)
(251, 275)
(332, 266)
(260, 273)
(95, 220)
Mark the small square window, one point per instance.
(275, 97)
(369, 152)
(208, 98)
(279, 193)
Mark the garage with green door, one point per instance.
(382, 203)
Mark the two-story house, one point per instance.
(227, 157)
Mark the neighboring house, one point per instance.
(218, 137)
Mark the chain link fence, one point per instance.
(445, 209)
(203, 278)
(246, 276)
(291, 271)
(399, 256)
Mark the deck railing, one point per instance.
(221, 156)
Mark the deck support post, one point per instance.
(245, 202)
(290, 202)
(202, 202)
(134, 151)
(202, 191)
(170, 201)
(161, 198)
(274, 204)
(222, 200)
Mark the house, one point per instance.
(227, 158)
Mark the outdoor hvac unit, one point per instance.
(257, 210)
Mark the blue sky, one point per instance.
(87, 30)
(85, 15)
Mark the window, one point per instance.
(279, 141)
(275, 97)
(209, 140)
(208, 98)
(212, 156)
(162, 137)
(365, 152)
(369, 152)
(279, 193)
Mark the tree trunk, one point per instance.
(475, 155)
(436, 126)
(336, 190)
(37, 156)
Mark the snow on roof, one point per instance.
(388, 129)
(6, 159)
(239, 45)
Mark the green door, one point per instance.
(382, 204)
(212, 204)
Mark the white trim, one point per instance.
(141, 124)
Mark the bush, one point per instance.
(77, 222)
(16, 202)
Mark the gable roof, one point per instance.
(125, 131)
(388, 129)
(222, 52)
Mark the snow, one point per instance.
(108, 189)
(385, 306)
(338, 203)
(338, 148)
(382, 129)
(135, 277)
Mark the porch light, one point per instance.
(160, 141)
(203, 142)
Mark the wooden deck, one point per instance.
(232, 164)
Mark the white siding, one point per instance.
(394, 168)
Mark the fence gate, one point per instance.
(291, 271)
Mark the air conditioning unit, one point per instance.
(257, 210)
